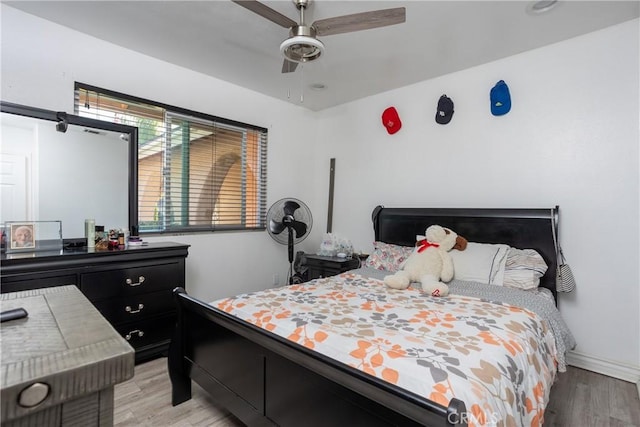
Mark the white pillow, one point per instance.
(480, 262)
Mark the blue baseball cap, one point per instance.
(500, 99)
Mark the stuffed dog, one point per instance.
(430, 263)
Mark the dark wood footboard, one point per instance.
(264, 379)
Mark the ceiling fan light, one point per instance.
(302, 48)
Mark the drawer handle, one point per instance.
(128, 309)
(33, 395)
(140, 280)
(132, 333)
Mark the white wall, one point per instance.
(571, 139)
(40, 63)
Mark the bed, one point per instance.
(299, 373)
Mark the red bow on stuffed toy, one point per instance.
(424, 244)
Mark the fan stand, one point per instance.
(290, 247)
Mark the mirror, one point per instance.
(87, 171)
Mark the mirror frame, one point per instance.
(132, 131)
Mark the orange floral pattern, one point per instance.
(499, 359)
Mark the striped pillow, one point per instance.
(523, 269)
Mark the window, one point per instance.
(195, 172)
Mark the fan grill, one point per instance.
(286, 216)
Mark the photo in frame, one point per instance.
(31, 236)
(22, 235)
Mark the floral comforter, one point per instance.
(498, 358)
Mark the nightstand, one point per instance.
(325, 266)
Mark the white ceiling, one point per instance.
(226, 41)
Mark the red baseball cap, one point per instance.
(391, 120)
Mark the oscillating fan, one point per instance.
(289, 222)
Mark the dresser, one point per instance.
(132, 287)
(61, 362)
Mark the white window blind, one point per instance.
(195, 172)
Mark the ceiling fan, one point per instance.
(302, 44)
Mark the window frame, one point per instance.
(261, 189)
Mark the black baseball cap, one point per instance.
(445, 110)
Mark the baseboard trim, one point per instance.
(606, 367)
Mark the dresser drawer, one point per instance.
(323, 263)
(143, 333)
(135, 307)
(12, 284)
(131, 281)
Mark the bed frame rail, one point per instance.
(264, 379)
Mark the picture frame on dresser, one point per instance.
(22, 235)
(31, 236)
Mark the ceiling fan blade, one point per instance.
(266, 12)
(360, 21)
(290, 207)
(289, 66)
(300, 227)
(276, 227)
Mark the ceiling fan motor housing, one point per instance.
(302, 45)
(302, 30)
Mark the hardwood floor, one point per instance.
(145, 400)
(579, 399)
(584, 398)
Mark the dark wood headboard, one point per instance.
(518, 228)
